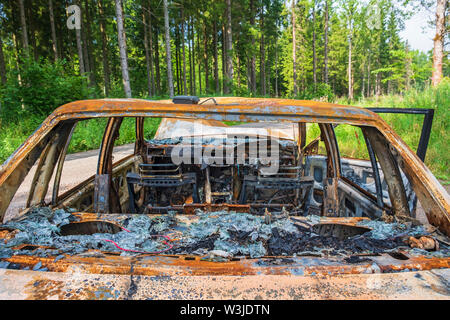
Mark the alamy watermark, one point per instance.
(373, 17)
(74, 20)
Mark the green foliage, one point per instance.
(321, 91)
(87, 135)
(43, 86)
(13, 134)
(409, 126)
(351, 142)
(380, 61)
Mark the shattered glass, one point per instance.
(221, 235)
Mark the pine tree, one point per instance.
(123, 48)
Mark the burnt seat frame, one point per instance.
(150, 176)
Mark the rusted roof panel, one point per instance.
(228, 109)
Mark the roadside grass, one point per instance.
(13, 134)
(408, 127)
(88, 134)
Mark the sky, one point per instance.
(418, 32)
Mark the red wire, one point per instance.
(125, 229)
(144, 252)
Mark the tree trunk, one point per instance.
(314, 46)
(326, 43)
(268, 74)
(184, 53)
(238, 64)
(89, 44)
(438, 52)
(177, 59)
(122, 39)
(199, 63)
(59, 33)
(32, 30)
(378, 84)
(83, 41)
(363, 83)
(216, 59)
(408, 68)
(238, 73)
(229, 51)
(276, 69)
(80, 51)
(192, 40)
(191, 82)
(147, 55)
(106, 71)
(262, 61)
(294, 47)
(2, 64)
(17, 58)
(368, 78)
(157, 67)
(224, 57)
(23, 25)
(150, 38)
(249, 85)
(52, 26)
(253, 58)
(350, 72)
(205, 58)
(168, 51)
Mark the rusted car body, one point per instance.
(106, 200)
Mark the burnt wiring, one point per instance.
(170, 247)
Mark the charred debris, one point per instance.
(216, 236)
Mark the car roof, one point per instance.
(225, 109)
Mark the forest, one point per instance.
(345, 51)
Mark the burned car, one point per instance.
(232, 198)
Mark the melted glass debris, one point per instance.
(223, 234)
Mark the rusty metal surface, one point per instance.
(228, 109)
(171, 265)
(431, 285)
(391, 172)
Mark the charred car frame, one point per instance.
(331, 201)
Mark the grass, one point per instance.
(88, 134)
(408, 127)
